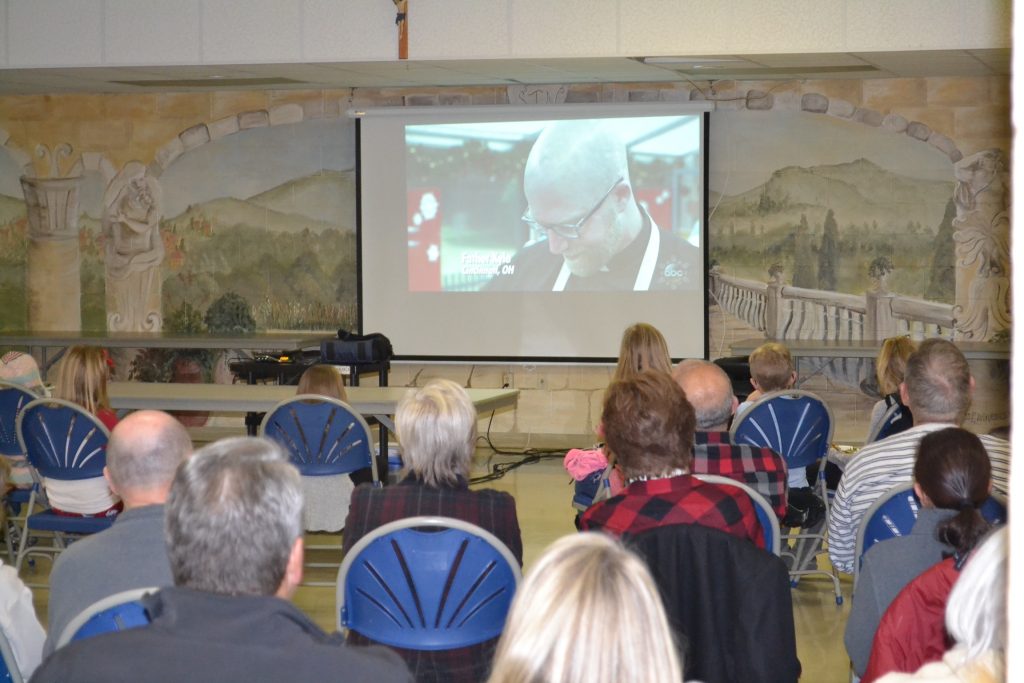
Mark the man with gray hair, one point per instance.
(234, 539)
(587, 229)
(143, 453)
(709, 391)
(937, 387)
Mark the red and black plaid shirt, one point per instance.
(492, 510)
(762, 469)
(684, 499)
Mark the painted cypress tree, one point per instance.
(942, 279)
(828, 254)
(803, 265)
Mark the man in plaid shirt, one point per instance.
(709, 391)
(649, 426)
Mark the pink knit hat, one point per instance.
(22, 369)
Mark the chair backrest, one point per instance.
(117, 612)
(427, 583)
(795, 424)
(322, 435)
(765, 514)
(13, 399)
(896, 419)
(895, 511)
(62, 440)
(9, 671)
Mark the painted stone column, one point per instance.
(53, 282)
(982, 237)
(132, 210)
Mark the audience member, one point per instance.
(890, 367)
(82, 379)
(18, 621)
(771, 369)
(327, 497)
(143, 454)
(588, 611)
(322, 380)
(709, 391)
(436, 425)
(21, 369)
(975, 621)
(643, 348)
(649, 425)
(937, 388)
(234, 538)
(952, 477)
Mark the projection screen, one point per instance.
(518, 233)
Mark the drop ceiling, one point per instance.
(418, 74)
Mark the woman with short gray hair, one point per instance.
(436, 426)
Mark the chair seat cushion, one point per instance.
(48, 520)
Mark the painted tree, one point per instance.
(942, 278)
(803, 264)
(828, 254)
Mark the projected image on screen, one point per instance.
(610, 204)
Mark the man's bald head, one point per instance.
(578, 159)
(143, 453)
(577, 175)
(709, 390)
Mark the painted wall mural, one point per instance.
(266, 214)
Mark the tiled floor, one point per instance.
(542, 493)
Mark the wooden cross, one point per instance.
(402, 21)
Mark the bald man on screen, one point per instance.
(588, 232)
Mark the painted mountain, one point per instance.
(315, 203)
(858, 192)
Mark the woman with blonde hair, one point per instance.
(322, 380)
(82, 378)
(890, 366)
(642, 348)
(588, 611)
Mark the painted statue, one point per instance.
(134, 250)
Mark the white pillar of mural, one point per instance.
(52, 273)
(132, 209)
(982, 246)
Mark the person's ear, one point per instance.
(110, 483)
(925, 500)
(293, 570)
(970, 385)
(735, 404)
(904, 394)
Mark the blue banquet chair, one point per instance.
(323, 437)
(427, 583)
(798, 426)
(62, 441)
(117, 612)
(13, 399)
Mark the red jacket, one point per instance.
(913, 630)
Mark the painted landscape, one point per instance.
(826, 224)
(284, 251)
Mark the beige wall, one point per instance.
(70, 33)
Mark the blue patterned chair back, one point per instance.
(795, 424)
(13, 399)
(62, 440)
(427, 583)
(321, 435)
(896, 511)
